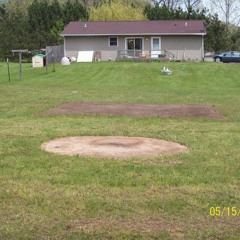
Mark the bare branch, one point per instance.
(170, 4)
(192, 3)
(229, 8)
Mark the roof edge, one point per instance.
(135, 34)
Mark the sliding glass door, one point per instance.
(134, 43)
(134, 46)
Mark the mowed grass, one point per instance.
(47, 196)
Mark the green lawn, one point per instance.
(47, 196)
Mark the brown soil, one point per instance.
(123, 147)
(112, 147)
(141, 110)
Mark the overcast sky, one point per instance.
(212, 10)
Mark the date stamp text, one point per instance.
(224, 211)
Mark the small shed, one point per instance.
(39, 60)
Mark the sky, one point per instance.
(207, 4)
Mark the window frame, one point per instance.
(159, 43)
(109, 41)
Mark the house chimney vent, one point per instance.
(85, 25)
(185, 24)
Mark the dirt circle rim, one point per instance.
(116, 147)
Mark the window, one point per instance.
(113, 41)
(156, 43)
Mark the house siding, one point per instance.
(75, 44)
(183, 47)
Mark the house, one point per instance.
(180, 39)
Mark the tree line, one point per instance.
(38, 23)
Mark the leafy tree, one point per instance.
(115, 10)
(74, 11)
(47, 20)
(235, 39)
(158, 12)
(161, 12)
(56, 39)
(40, 23)
(169, 4)
(33, 24)
(56, 15)
(17, 5)
(218, 35)
(13, 32)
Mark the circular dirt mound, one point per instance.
(112, 147)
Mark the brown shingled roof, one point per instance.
(167, 27)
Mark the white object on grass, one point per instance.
(65, 61)
(85, 56)
(166, 71)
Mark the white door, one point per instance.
(155, 47)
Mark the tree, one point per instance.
(34, 24)
(218, 36)
(230, 10)
(158, 12)
(169, 4)
(40, 23)
(13, 31)
(47, 20)
(115, 10)
(192, 4)
(74, 11)
(56, 15)
(235, 39)
(17, 5)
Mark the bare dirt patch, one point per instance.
(139, 110)
(112, 147)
